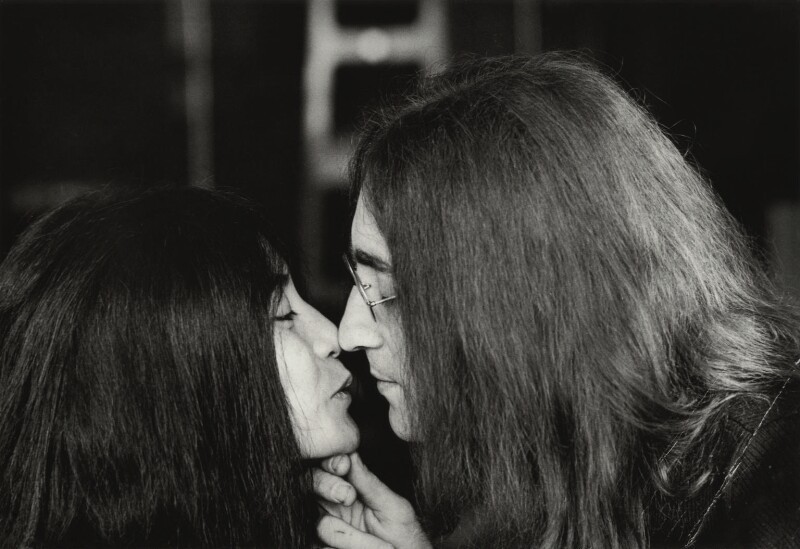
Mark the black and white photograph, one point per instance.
(400, 274)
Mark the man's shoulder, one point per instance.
(760, 504)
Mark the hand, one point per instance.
(378, 518)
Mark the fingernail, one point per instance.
(344, 494)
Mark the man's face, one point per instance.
(381, 335)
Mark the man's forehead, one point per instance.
(367, 244)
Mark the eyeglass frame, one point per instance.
(362, 288)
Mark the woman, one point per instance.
(586, 352)
(161, 381)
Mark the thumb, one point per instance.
(337, 465)
(373, 492)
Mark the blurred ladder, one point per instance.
(329, 46)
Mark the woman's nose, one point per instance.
(358, 329)
(325, 341)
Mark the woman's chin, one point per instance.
(351, 437)
(343, 438)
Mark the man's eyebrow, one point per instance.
(369, 260)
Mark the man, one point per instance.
(367, 325)
(567, 325)
(380, 335)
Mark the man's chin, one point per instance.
(400, 425)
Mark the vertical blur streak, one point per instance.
(191, 21)
(528, 26)
(783, 230)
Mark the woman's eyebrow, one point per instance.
(370, 260)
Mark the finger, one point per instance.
(372, 490)
(337, 533)
(328, 508)
(337, 465)
(332, 488)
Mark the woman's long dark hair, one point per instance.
(140, 402)
(580, 311)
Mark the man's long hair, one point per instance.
(580, 311)
(140, 402)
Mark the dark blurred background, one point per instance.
(262, 96)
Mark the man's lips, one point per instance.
(380, 378)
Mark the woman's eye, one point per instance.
(288, 317)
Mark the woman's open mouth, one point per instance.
(343, 392)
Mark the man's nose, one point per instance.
(358, 329)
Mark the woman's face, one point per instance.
(306, 348)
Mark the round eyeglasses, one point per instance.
(362, 288)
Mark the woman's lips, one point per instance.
(343, 392)
(343, 395)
